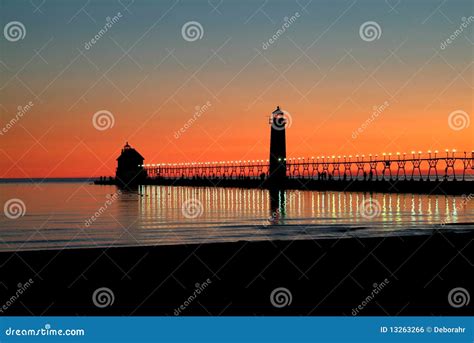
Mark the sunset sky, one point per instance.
(151, 80)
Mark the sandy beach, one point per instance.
(350, 276)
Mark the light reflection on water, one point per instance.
(153, 215)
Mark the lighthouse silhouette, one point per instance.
(277, 174)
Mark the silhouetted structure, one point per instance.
(130, 167)
(277, 172)
(432, 172)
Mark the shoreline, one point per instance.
(449, 228)
(325, 277)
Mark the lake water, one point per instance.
(80, 214)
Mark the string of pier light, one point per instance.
(386, 157)
(192, 164)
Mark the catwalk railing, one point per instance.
(414, 166)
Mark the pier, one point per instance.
(431, 172)
(432, 167)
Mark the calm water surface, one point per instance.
(79, 214)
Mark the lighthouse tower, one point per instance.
(277, 173)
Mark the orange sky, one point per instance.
(329, 92)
